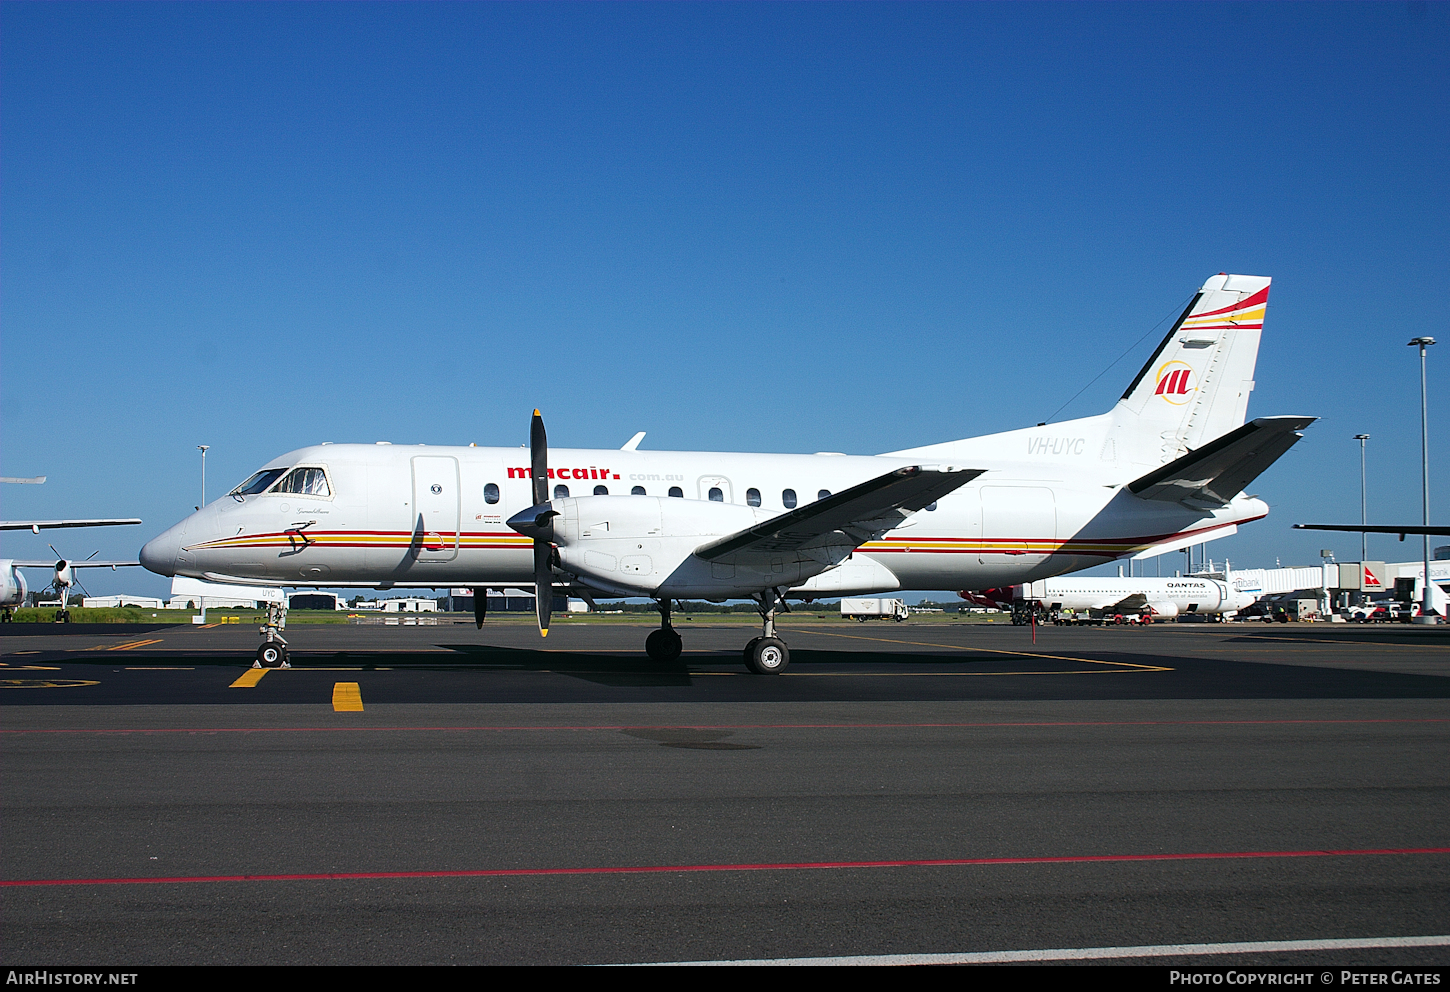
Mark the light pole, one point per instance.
(1363, 503)
(202, 448)
(1422, 343)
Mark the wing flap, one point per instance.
(1217, 472)
(831, 528)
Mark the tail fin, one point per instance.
(1196, 386)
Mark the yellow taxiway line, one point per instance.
(249, 678)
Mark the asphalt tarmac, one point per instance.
(437, 794)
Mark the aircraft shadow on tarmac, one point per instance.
(639, 670)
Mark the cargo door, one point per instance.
(1019, 525)
(436, 508)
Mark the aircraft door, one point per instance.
(717, 488)
(436, 508)
(1019, 526)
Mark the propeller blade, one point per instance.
(539, 458)
(480, 606)
(543, 584)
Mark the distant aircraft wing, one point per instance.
(1134, 601)
(39, 525)
(1432, 529)
(1217, 472)
(51, 563)
(831, 528)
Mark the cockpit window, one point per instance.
(258, 482)
(305, 482)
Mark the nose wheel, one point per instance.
(273, 652)
(271, 656)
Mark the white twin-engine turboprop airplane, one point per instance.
(1165, 468)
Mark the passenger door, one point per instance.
(436, 508)
(708, 482)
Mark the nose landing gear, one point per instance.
(273, 652)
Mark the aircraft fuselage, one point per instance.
(428, 516)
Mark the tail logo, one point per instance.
(1175, 383)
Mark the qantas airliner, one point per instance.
(1164, 468)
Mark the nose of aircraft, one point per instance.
(159, 554)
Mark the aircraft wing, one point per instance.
(1431, 529)
(38, 525)
(1133, 601)
(1217, 472)
(831, 528)
(74, 564)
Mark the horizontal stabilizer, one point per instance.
(1431, 529)
(848, 519)
(39, 525)
(1217, 472)
(75, 564)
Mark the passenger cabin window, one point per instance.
(716, 496)
(637, 491)
(258, 482)
(787, 499)
(752, 496)
(304, 482)
(601, 490)
(490, 493)
(677, 491)
(823, 494)
(561, 492)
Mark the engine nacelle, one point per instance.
(644, 546)
(1163, 608)
(12, 584)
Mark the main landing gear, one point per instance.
(764, 655)
(664, 644)
(273, 652)
(767, 654)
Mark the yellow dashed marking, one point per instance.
(346, 697)
(249, 678)
(123, 647)
(43, 683)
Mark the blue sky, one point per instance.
(775, 227)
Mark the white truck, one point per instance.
(873, 609)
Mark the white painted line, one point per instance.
(1091, 953)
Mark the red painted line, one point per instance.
(726, 726)
(773, 866)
